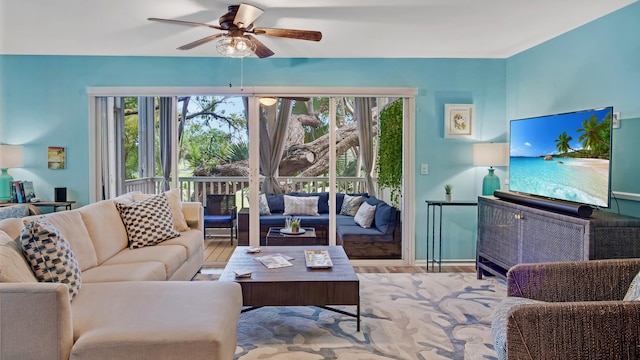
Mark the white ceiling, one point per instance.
(351, 28)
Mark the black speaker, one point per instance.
(60, 194)
(580, 210)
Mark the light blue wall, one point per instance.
(595, 65)
(43, 102)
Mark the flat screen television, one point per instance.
(563, 156)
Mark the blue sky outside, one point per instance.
(534, 137)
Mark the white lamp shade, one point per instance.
(490, 154)
(10, 156)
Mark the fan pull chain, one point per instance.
(229, 71)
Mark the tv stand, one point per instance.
(511, 233)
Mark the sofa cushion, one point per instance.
(298, 205)
(385, 217)
(105, 226)
(323, 200)
(276, 203)
(191, 241)
(172, 256)
(75, 232)
(187, 319)
(13, 266)
(499, 323)
(135, 271)
(264, 205)
(357, 233)
(50, 256)
(305, 220)
(175, 204)
(365, 214)
(12, 227)
(148, 221)
(350, 205)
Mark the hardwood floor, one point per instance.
(218, 250)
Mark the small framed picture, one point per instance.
(56, 157)
(459, 120)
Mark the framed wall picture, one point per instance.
(459, 120)
(56, 157)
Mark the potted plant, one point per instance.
(447, 192)
(295, 227)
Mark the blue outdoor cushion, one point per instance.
(276, 203)
(217, 219)
(385, 217)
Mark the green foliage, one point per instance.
(238, 152)
(390, 150)
(448, 188)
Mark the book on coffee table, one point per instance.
(274, 261)
(317, 259)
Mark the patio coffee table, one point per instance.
(296, 285)
(276, 238)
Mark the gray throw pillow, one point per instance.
(364, 216)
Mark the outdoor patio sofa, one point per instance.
(382, 240)
(109, 300)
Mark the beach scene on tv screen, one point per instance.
(562, 156)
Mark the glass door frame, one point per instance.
(253, 93)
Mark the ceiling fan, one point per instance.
(238, 39)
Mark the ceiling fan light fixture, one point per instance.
(268, 100)
(235, 46)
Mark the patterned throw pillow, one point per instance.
(175, 204)
(301, 205)
(148, 222)
(350, 205)
(264, 205)
(364, 216)
(50, 256)
(633, 294)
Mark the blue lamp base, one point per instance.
(490, 183)
(5, 185)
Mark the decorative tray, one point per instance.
(317, 259)
(289, 232)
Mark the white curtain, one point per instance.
(272, 140)
(365, 136)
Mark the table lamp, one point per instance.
(10, 157)
(490, 154)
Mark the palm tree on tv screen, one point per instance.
(595, 136)
(562, 143)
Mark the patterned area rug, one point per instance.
(404, 316)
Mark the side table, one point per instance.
(431, 225)
(54, 204)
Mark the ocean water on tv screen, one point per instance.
(579, 180)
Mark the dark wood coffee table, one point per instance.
(296, 285)
(276, 238)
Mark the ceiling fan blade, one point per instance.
(290, 33)
(189, 23)
(246, 15)
(261, 50)
(199, 42)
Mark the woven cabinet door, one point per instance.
(498, 231)
(552, 238)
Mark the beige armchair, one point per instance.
(580, 315)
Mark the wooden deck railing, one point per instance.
(197, 187)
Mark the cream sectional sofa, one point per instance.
(123, 309)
